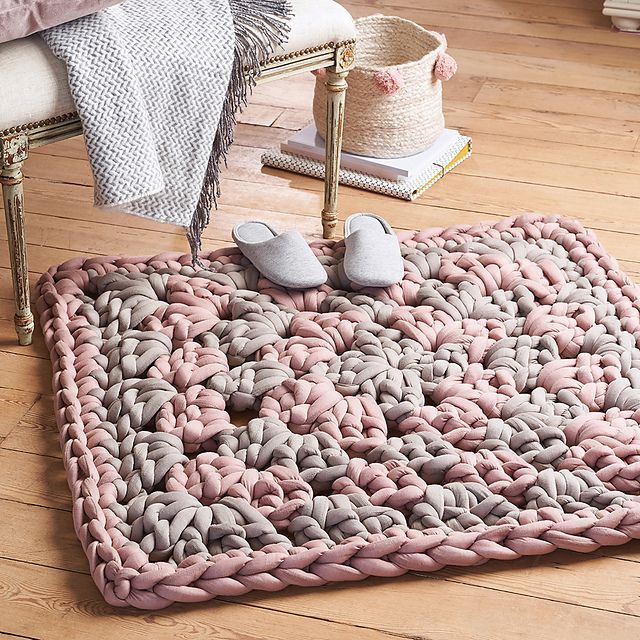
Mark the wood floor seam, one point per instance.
(549, 94)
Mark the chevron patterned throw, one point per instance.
(157, 84)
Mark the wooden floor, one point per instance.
(551, 97)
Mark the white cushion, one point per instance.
(318, 22)
(34, 87)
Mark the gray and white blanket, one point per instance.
(157, 84)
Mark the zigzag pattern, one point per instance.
(149, 117)
(487, 407)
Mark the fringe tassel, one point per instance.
(260, 27)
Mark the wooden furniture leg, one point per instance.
(336, 88)
(14, 152)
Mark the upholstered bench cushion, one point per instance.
(34, 82)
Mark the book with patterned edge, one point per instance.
(404, 189)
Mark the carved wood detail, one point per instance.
(13, 152)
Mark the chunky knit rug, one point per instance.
(485, 408)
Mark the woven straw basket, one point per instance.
(394, 102)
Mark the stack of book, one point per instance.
(404, 178)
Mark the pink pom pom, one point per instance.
(320, 73)
(445, 67)
(389, 81)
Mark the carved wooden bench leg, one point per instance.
(336, 88)
(14, 152)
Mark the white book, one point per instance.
(309, 143)
(408, 189)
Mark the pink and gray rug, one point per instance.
(487, 407)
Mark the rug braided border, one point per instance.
(127, 577)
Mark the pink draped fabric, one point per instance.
(21, 18)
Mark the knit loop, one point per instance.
(222, 434)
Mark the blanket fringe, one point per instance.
(260, 27)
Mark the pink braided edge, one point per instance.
(126, 577)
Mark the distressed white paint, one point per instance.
(14, 150)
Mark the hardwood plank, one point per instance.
(426, 14)
(68, 605)
(558, 72)
(431, 211)
(20, 373)
(40, 259)
(65, 170)
(452, 610)
(472, 39)
(539, 136)
(286, 93)
(490, 196)
(33, 479)
(14, 405)
(631, 269)
(293, 119)
(254, 113)
(37, 596)
(69, 148)
(545, 126)
(298, 213)
(613, 584)
(494, 196)
(522, 11)
(520, 126)
(546, 173)
(511, 198)
(263, 115)
(617, 138)
(259, 114)
(82, 239)
(72, 169)
(96, 238)
(594, 5)
(554, 153)
(244, 161)
(560, 99)
(40, 536)
(36, 431)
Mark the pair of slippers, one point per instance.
(372, 253)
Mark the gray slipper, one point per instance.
(372, 252)
(284, 258)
